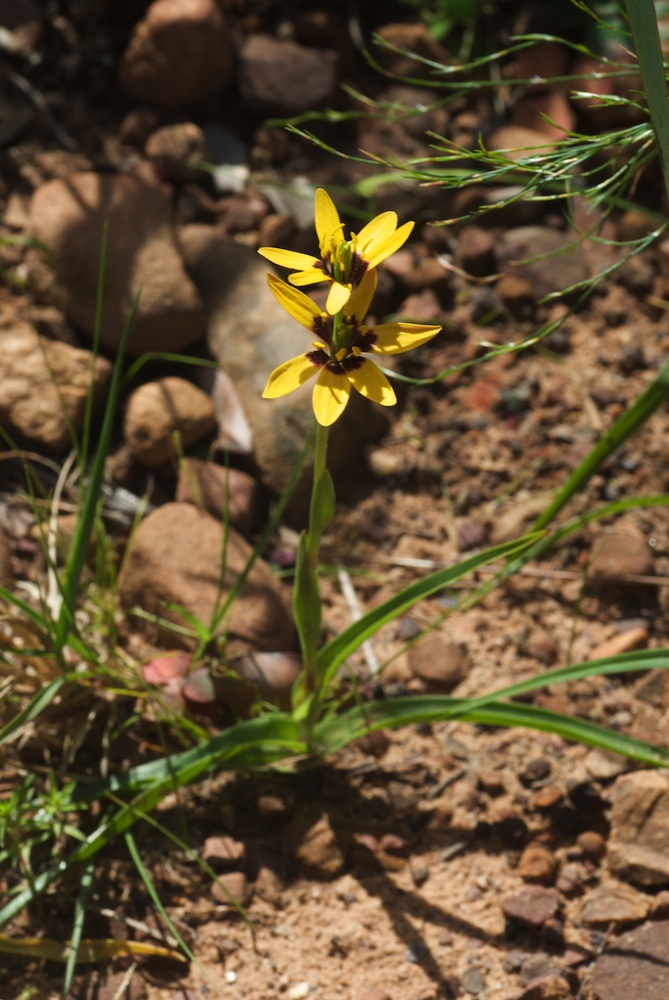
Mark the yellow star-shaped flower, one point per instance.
(343, 262)
(338, 355)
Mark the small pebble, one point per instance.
(538, 864)
(592, 845)
(535, 772)
(298, 992)
(473, 981)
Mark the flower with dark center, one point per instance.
(338, 355)
(343, 262)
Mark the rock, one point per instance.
(180, 53)
(538, 864)
(623, 642)
(158, 411)
(639, 840)
(565, 265)
(438, 662)
(187, 573)
(472, 981)
(604, 766)
(222, 492)
(476, 251)
(44, 386)
(264, 60)
(250, 334)
(618, 554)
(570, 880)
(413, 38)
(514, 521)
(311, 838)
(552, 987)
(236, 686)
(659, 906)
(535, 772)
(614, 903)
(268, 886)
(548, 797)
(175, 151)
(6, 572)
(518, 141)
(532, 906)
(633, 965)
(592, 844)
(471, 534)
(224, 852)
(69, 216)
(232, 889)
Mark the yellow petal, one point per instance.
(328, 225)
(288, 258)
(308, 277)
(395, 338)
(373, 384)
(384, 248)
(360, 301)
(376, 231)
(338, 296)
(331, 394)
(299, 305)
(289, 376)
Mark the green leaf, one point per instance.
(306, 601)
(322, 508)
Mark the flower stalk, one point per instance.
(341, 357)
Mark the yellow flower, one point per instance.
(338, 354)
(343, 262)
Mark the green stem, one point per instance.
(315, 529)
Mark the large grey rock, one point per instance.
(69, 215)
(250, 334)
(639, 842)
(44, 386)
(180, 53)
(174, 558)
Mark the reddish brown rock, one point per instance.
(413, 38)
(69, 217)
(232, 889)
(175, 151)
(180, 53)
(618, 554)
(159, 411)
(224, 852)
(309, 77)
(633, 965)
(614, 903)
(552, 987)
(321, 853)
(639, 841)
(44, 387)
(538, 864)
(441, 664)
(532, 906)
(6, 574)
(187, 572)
(225, 493)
